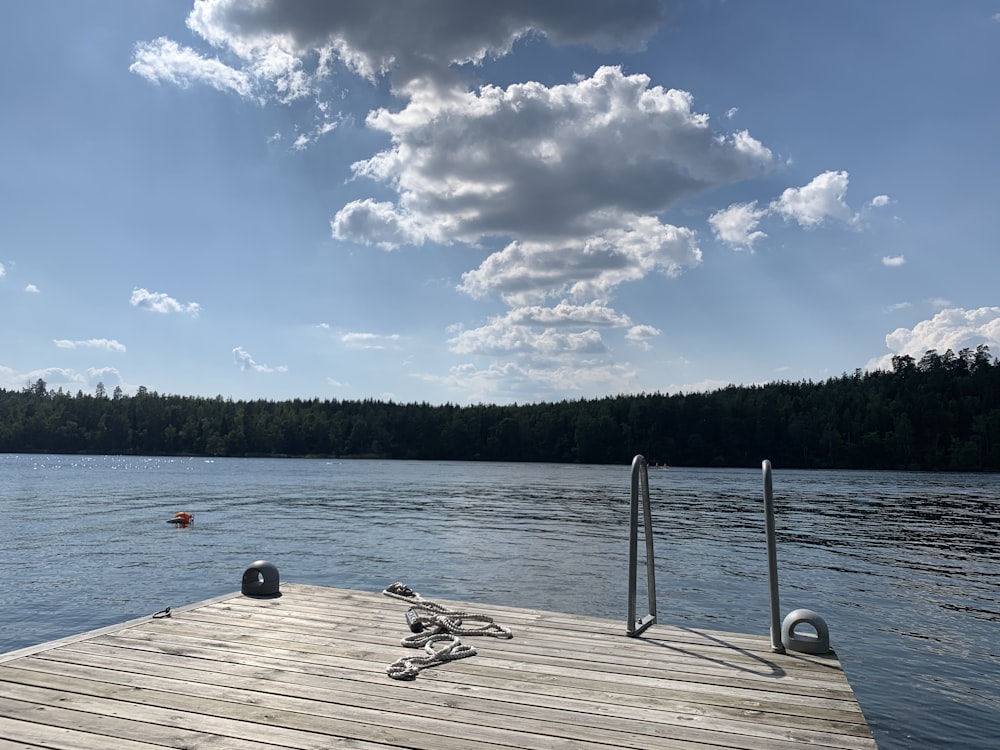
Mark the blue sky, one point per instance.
(447, 201)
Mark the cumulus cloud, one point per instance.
(893, 261)
(548, 163)
(3, 271)
(375, 223)
(108, 345)
(572, 174)
(588, 268)
(288, 46)
(286, 52)
(32, 289)
(564, 314)
(954, 328)
(641, 335)
(812, 204)
(245, 361)
(820, 201)
(162, 303)
(501, 338)
(542, 332)
(737, 225)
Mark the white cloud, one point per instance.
(499, 337)
(245, 361)
(54, 377)
(100, 374)
(326, 124)
(822, 200)
(531, 162)
(369, 340)
(573, 175)
(542, 333)
(592, 314)
(375, 223)
(291, 45)
(161, 303)
(731, 112)
(641, 334)
(3, 271)
(812, 204)
(898, 306)
(31, 288)
(737, 225)
(109, 345)
(954, 328)
(939, 302)
(586, 269)
(893, 261)
(165, 61)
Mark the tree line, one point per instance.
(939, 413)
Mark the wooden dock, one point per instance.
(308, 670)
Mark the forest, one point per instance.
(938, 413)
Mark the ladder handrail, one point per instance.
(640, 479)
(772, 560)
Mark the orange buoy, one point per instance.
(182, 519)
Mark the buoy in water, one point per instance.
(182, 519)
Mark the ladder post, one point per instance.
(772, 560)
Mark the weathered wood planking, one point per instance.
(307, 670)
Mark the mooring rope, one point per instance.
(407, 668)
(432, 623)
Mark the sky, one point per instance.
(523, 201)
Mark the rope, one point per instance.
(433, 623)
(407, 668)
(162, 613)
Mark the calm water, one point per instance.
(904, 568)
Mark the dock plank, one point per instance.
(308, 669)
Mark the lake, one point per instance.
(904, 567)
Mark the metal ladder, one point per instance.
(640, 479)
(640, 482)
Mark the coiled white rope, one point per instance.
(434, 623)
